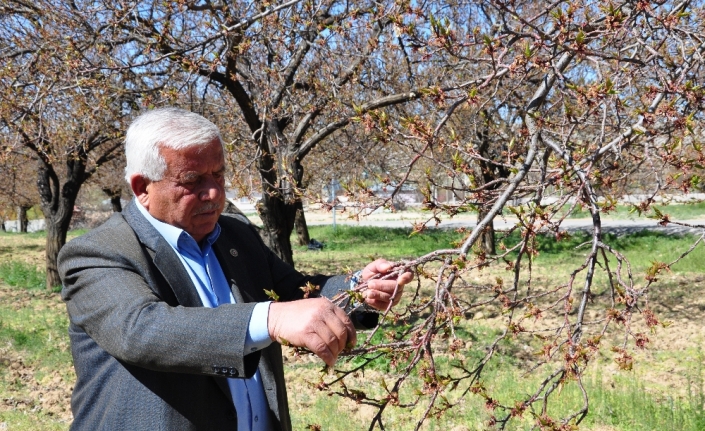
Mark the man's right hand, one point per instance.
(314, 323)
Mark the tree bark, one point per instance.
(299, 216)
(301, 226)
(277, 225)
(488, 171)
(116, 203)
(57, 204)
(22, 222)
(115, 196)
(56, 238)
(487, 237)
(279, 202)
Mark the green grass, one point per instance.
(30, 421)
(29, 235)
(33, 327)
(20, 274)
(351, 247)
(30, 329)
(632, 407)
(35, 361)
(677, 211)
(641, 249)
(627, 406)
(624, 404)
(397, 242)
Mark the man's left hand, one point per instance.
(380, 293)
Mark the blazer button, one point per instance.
(216, 369)
(233, 372)
(233, 252)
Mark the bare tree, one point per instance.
(296, 73)
(65, 118)
(512, 106)
(18, 194)
(538, 110)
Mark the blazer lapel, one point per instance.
(170, 266)
(164, 257)
(234, 269)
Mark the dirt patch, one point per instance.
(672, 358)
(26, 385)
(36, 300)
(670, 364)
(26, 248)
(28, 392)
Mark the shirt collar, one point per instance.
(172, 234)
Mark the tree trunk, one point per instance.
(57, 203)
(56, 238)
(279, 202)
(114, 196)
(300, 217)
(116, 203)
(487, 238)
(22, 222)
(277, 225)
(57, 227)
(301, 226)
(488, 172)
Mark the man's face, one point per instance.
(191, 195)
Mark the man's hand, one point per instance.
(379, 292)
(315, 323)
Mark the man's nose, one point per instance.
(211, 190)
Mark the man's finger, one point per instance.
(337, 325)
(386, 286)
(405, 277)
(351, 339)
(382, 266)
(377, 295)
(379, 266)
(318, 346)
(381, 292)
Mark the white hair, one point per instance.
(164, 127)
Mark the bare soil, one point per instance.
(29, 388)
(23, 248)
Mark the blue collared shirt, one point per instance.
(206, 274)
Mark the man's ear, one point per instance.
(139, 186)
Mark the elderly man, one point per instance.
(171, 328)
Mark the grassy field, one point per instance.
(677, 211)
(663, 390)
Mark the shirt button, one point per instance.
(256, 418)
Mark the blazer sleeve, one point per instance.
(115, 294)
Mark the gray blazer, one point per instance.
(148, 355)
